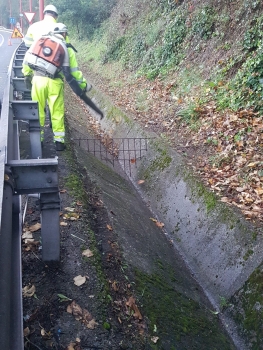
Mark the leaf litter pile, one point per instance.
(235, 170)
(224, 149)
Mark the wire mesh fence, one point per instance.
(125, 150)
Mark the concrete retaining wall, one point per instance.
(219, 246)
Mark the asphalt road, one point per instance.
(7, 48)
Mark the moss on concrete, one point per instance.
(179, 322)
(159, 163)
(248, 308)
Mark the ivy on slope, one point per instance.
(156, 39)
(153, 42)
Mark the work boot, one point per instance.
(60, 146)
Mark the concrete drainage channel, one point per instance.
(205, 247)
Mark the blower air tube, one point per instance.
(79, 92)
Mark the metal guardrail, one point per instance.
(17, 177)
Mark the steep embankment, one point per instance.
(190, 72)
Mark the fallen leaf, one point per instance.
(29, 240)
(109, 227)
(115, 286)
(81, 315)
(71, 216)
(215, 312)
(259, 190)
(91, 324)
(70, 209)
(35, 227)
(74, 308)
(133, 306)
(88, 253)
(31, 246)
(27, 234)
(154, 220)
(63, 297)
(86, 316)
(140, 182)
(154, 339)
(225, 200)
(79, 280)
(28, 291)
(71, 346)
(26, 332)
(252, 164)
(159, 224)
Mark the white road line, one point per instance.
(1, 39)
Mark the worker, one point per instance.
(47, 24)
(52, 59)
(36, 30)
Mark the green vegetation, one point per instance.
(204, 22)
(248, 308)
(157, 40)
(160, 163)
(84, 17)
(175, 318)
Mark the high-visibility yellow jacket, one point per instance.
(37, 29)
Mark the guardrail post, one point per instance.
(50, 228)
(5, 261)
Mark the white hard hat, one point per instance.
(51, 8)
(60, 28)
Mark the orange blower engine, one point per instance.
(46, 56)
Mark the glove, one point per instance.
(28, 82)
(87, 88)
